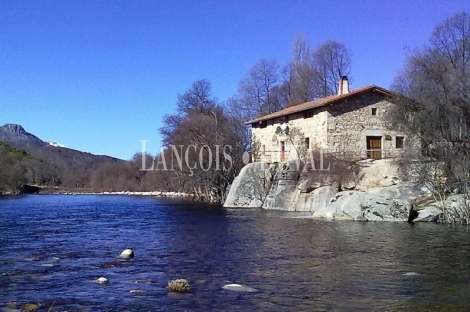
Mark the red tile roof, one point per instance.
(329, 100)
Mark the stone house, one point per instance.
(349, 125)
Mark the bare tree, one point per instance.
(314, 74)
(206, 132)
(256, 88)
(301, 76)
(332, 61)
(436, 81)
(197, 98)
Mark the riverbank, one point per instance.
(156, 193)
(370, 190)
(128, 193)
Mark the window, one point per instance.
(308, 114)
(307, 143)
(399, 142)
(374, 111)
(263, 149)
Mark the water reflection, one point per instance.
(54, 247)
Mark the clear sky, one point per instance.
(98, 75)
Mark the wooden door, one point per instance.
(283, 151)
(374, 147)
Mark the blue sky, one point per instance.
(98, 75)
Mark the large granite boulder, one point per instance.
(362, 206)
(428, 214)
(377, 173)
(283, 190)
(402, 191)
(281, 196)
(311, 183)
(289, 171)
(250, 187)
(314, 201)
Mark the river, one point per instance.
(54, 247)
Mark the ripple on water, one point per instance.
(54, 248)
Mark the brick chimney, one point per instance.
(343, 87)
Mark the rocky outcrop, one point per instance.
(314, 201)
(372, 193)
(360, 206)
(403, 191)
(377, 173)
(250, 187)
(281, 196)
(428, 214)
(454, 209)
(17, 136)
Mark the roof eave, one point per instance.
(329, 103)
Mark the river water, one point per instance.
(54, 247)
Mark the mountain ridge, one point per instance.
(16, 135)
(74, 168)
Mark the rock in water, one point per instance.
(127, 253)
(102, 280)
(240, 288)
(411, 274)
(30, 307)
(178, 285)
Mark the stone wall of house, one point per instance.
(341, 129)
(350, 122)
(301, 126)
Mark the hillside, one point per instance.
(46, 164)
(18, 168)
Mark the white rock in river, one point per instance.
(127, 253)
(237, 287)
(102, 280)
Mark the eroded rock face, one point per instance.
(308, 185)
(377, 173)
(362, 206)
(314, 201)
(284, 191)
(281, 195)
(287, 187)
(289, 171)
(251, 186)
(403, 191)
(428, 214)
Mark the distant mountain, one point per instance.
(74, 167)
(17, 136)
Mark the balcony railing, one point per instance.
(282, 156)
